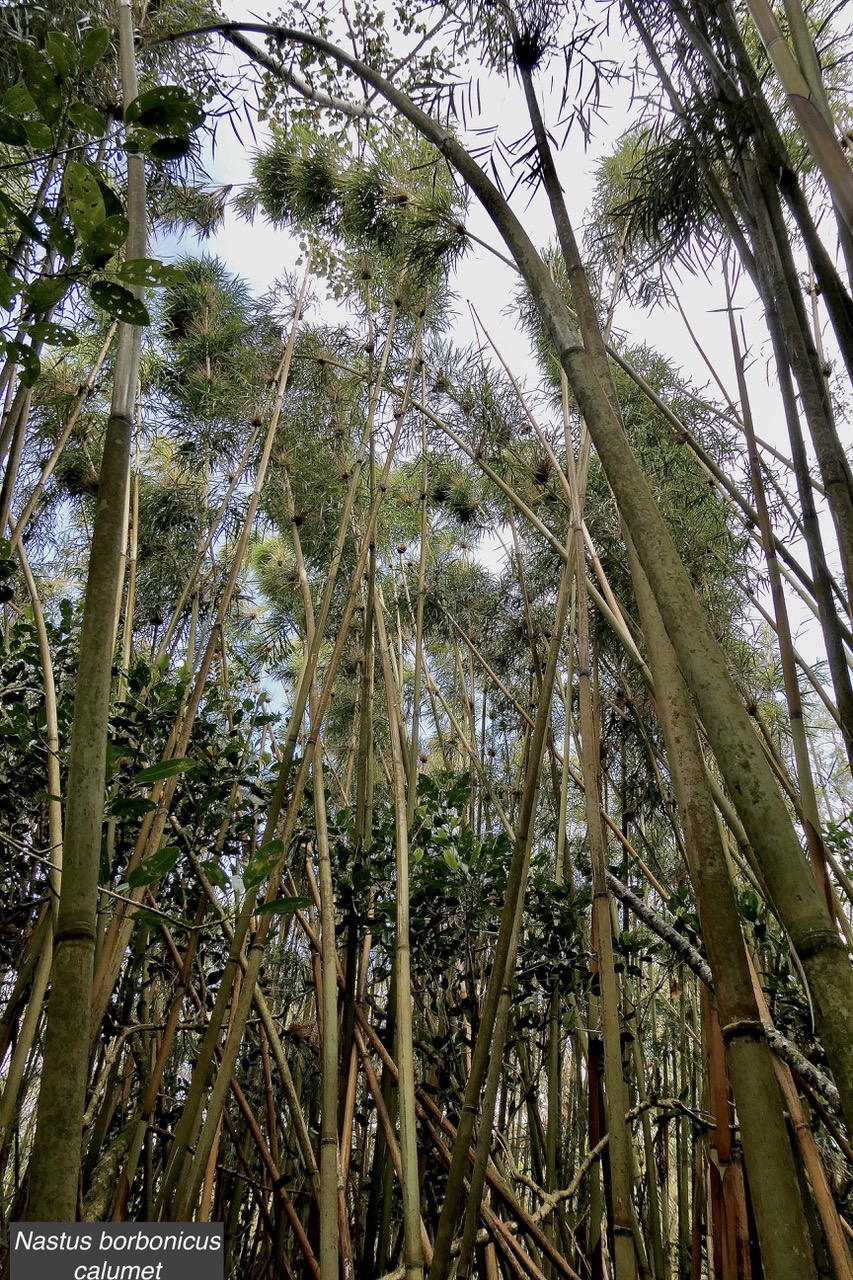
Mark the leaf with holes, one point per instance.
(120, 303)
(95, 46)
(87, 119)
(12, 130)
(149, 918)
(42, 82)
(46, 292)
(112, 204)
(148, 271)
(164, 769)
(139, 141)
(62, 53)
(28, 359)
(10, 287)
(155, 867)
(39, 134)
(61, 236)
(18, 99)
(106, 240)
(55, 335)
(86, 206)
(263, 863)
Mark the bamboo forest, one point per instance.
(426, 659)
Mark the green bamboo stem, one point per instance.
(413, 1261)
(55, 1160)
(772, 1176)
(820, 137)
(808, 798)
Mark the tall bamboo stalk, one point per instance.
(55, 1161)
(773, 1181)
(410, 1187)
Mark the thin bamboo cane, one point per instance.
(412, 1252)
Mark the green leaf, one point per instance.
(47, 291)
(273, 849)
(141, 916)
(18, 99)
(28, 359)
(95, 46)
(86, 206)
(214, 873)
(87, 119)
(61, 236)
(112, 204)
(132, 806)
(10, 287)
(283, 906)
(262, 863)
(166, 110)
(43, 83)
(55, 335)
(62, 53)
(106, 240)
(149, 271)
(155, 867)
(12, 130)
(164, 768)
(139, 140)
(171, 148)
(22, 219)
(39, 135)
(120, 303)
